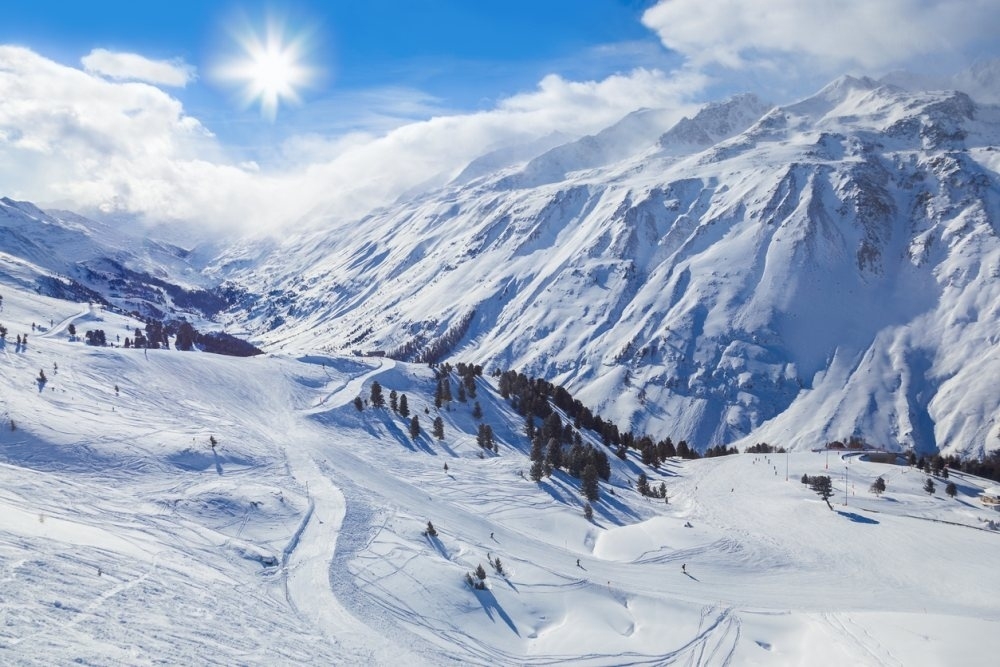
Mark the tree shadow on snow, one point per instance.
(403, 437)
(618, 506)
(857, 518)
(436, 543)
(553, 491)
(490, 604)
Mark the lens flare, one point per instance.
(269, 70)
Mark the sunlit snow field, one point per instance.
(126, 538)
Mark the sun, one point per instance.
(270, 69)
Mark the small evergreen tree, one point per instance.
(376, 398)
(536, 471)
(498, 566)
(461, 393)
(477, 411)
(823, 488)
(394, 401)
(404, 406)
(484, 438)
(929, 486)
(480, 572)
(72, 329)
(438, 428)
(805, 478)
(415, 427)
(951, 490)
(642, 484)
(588, 483)
(553, 453)
(358, 403)
(536, 449)
(878, 486)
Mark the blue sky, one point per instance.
(170, 111)
(401, 59)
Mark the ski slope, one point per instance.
(127, 538)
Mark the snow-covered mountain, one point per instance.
(168, 507)
(60, 253)
(797, 274)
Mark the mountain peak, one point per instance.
(713, 123)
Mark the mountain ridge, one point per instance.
(799, 274)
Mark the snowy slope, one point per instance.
(126, 537)
(826, 270)
(75, 255)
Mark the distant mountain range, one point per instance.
(793, 274)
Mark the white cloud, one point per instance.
(74, 139)
(133, 67)
(831, 35)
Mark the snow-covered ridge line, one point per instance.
(795, 274)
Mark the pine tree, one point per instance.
(376, 398)
(480, 572)
(642, 484)
(358, 403)
(823, 488)
(588, 512)
(415, 427)
(536, 471)
(484, 438)
(461, 393)
(929, 486)
(537, 454)
(588, 485)
(951, 490)
(553, 453)
(404, 406)
(394, 401)
(878, 486)
(438, 429)
(477, 411)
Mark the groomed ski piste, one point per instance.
(299, 537)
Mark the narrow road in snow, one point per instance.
(62, 325)
(308, 561)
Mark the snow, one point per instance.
(126, 537)
(794, 275)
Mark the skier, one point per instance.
(578, 562)
(684, 568)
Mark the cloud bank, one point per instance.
(74, 138)
(828, 36)
(105, 138)
(133, 67)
